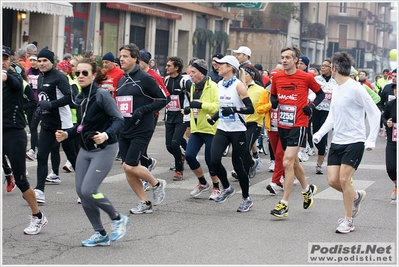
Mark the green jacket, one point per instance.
(376, 98)
(210, 105)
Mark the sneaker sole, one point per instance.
(140, 212)
(345, 232)
(31, 159)
(279, 216)
(53, 182)
(98, 244)
(318, 172)
(204, 190)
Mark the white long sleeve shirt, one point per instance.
(349, 104)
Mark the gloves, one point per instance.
(186, 110)
(195, 104)
(308, 110)
(274, 102)
(44, 105)
(226, 111)
(212, 120)
(137, 115)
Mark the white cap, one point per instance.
(243, 50)
(33, 57)
(231, 60)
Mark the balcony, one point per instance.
(353, 13)
(313, 31)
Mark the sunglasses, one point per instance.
(85, 73)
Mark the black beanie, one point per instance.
(145, 56)
(46, 54)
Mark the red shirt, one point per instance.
(292, 94)
(115, 74)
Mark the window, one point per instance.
(343, 8)
(343, 35)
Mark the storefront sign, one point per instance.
(146, 10)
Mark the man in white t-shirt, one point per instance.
(348, 105)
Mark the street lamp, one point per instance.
(23, 15)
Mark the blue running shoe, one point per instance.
(96, 240)
(119, 227)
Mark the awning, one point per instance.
(147, 10)
(52, 8)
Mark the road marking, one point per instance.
(332, 194)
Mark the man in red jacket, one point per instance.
(114, 74)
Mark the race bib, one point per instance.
(125, 105)
(394, 132)
(274, 120)
(174, 104)
(33, 80)
(287, 115)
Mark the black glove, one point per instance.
(137, 115)
(274, 101)
(187, 110)
(212, 120)
(44, 105)
(308, 110)
(226, 111)
(195, 104)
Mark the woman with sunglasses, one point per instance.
(234, 103)
(320, 113)
(99, 121)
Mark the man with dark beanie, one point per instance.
(213, 74)
(54, 96)
(114, 74)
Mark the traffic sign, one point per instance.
(255, 5)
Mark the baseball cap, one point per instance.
(231, 60)
(6, 51)
(243, 50)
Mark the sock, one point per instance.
(216, 185)
(306, 189)
(148, 202)
(103, 232)
(284, 202)
(117, 218)
(202, 180)
(155, 186)
(38, 215)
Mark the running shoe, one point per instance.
(245, 205)
(159, 192)
(319, 170)
(273, 188)
(119, 227)
(215, 193)
(345, 226)
(234, 174)
(10, 182)
(271, 166)
(394, 194)
(142, 207)
(356, 203)
(252, 169)
(146, 186)
(303, 156)
(97, 240)
(308, 196)
(153, 164)
(79, 201)
(178, 176)
(53, 178)
(228, 192)
(31, 155)
(40, 197)
(280, 211)
(311, 151)
(68, 167)
(199, 189)
(35, 225)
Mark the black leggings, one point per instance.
(46, 145)
(319, 117)
(390, 160)
(252, 133)
(14, 147)
(34, 136)
(173, 135)
(238, 142)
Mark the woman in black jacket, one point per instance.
(99, 121)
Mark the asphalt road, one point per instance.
(187, 231)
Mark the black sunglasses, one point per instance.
(85, 73)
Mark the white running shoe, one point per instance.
(67, 167)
